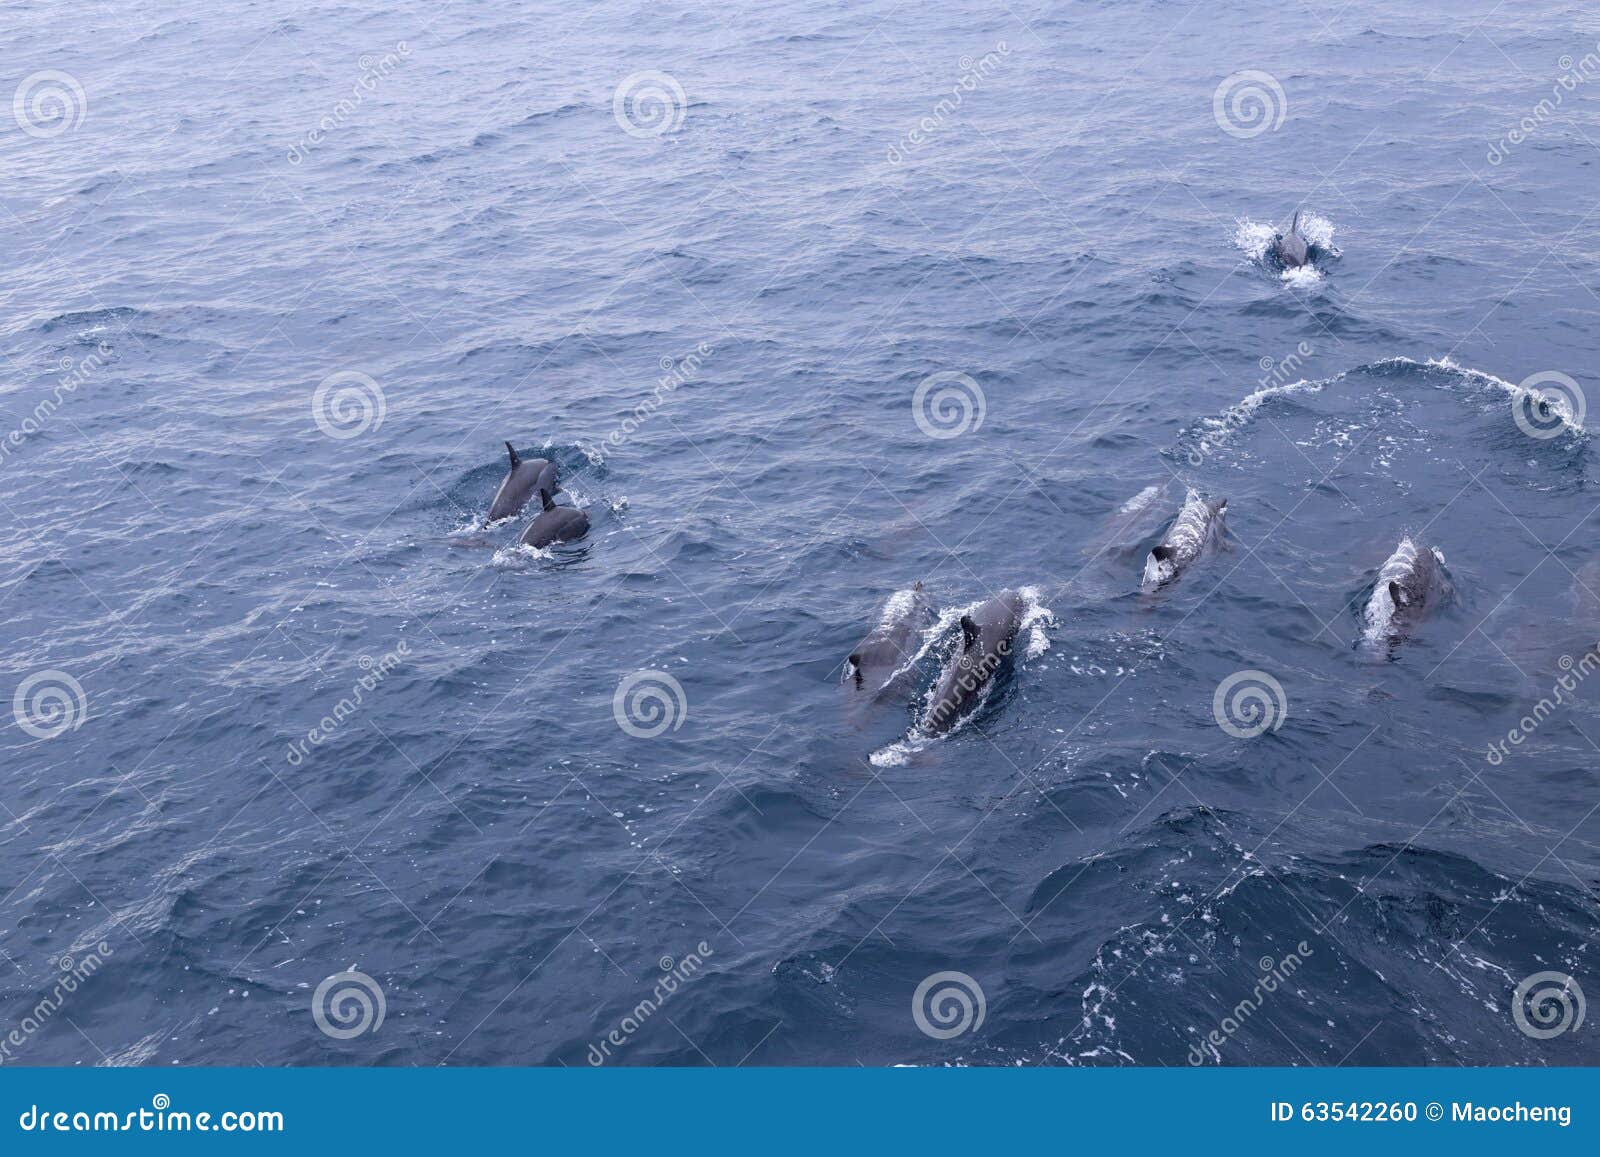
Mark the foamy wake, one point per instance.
(516, 556)
(1558, 405)
(1253, 238)
(1035, 619)
(1215, 432)
(1140, 501)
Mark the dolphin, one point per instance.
(893, 643)
(1410, 582)
(987, 634)
(555, 523)
(1198, 524)
(1292, 248)
(527, 477)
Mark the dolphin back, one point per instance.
(987, 635)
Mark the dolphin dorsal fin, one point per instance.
(969, 632)
(1397, 594)
(512, 450)
(1294, 226)
(544, 499)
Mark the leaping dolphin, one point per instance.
(555, 524)
(527, 477)
(1198, 525)
(879, 657)
(1292, 248)
(987, 635)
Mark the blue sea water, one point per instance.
(283, 277)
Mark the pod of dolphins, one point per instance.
(1410, 582)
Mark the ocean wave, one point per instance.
(1213, 433)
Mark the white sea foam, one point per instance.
(897, 606)
(1140, 500)
(1558, 405)
(1302, 277)
(1254, 239)
(516, 556)
(1036, 617)
(1215, 432)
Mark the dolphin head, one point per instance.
(1161, 566)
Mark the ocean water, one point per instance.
(284, 277)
